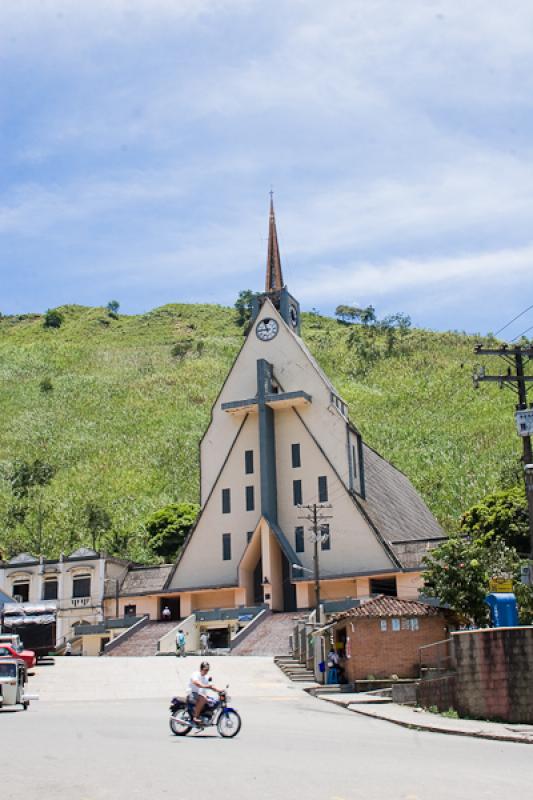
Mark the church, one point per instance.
(280, 440)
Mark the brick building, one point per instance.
(381, 636)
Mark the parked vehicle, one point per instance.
(216, 713)
(10, 638)
(35, 624)
(27, 656)
(12, 680)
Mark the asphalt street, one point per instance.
(100, 730)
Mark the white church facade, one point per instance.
(280, 438)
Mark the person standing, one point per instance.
(166, 614)
(204, 643)
(180, 643)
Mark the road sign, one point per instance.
(500, 585)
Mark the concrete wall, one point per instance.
(148, 604)
(494, 669)
(385, 653)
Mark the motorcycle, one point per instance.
(216, 713)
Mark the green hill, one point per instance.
(119, 416)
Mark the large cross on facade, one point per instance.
(267, 400)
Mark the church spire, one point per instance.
(274, 278)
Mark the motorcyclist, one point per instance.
(199, 685)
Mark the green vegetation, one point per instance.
(492, 536)
(122, 425)
(168, 528)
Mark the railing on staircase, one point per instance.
(244, 632)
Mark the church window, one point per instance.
(322, 489)
(354, 461)
(250, 501)
(249, 462)
(299, 540)
(226, 501)
(296, 457)
(226, 546)
(297, 493)
(325, 543)
(249, 535)
(386, 586)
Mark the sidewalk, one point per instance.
(409, 717)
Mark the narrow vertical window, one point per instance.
(249, 535)
(226, 546)
(250, 502)
(297, 493)
(322, 489)
(296, 457)
(249, 462)
(226, 501)
(326, 537)
(354, 461)
(299, 540)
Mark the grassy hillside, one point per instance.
(124, 417)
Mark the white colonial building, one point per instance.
(72, 586)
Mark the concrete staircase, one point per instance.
(270, 637)
(294, 670)
(144, 641)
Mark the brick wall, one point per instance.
(384, 653)
(494, 673)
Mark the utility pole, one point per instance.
(317, 536)
(516, 357)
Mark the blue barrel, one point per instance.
(503, 609)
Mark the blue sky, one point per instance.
(140, 139)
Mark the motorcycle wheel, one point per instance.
(179, 724)
(229, 724)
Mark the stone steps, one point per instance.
(270, 637)
(144, 641)
(293, 669)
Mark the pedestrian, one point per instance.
(180, 643)
(68, 649)
(204, 643)
(333, 667)
(166, 613)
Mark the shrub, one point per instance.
(53, 318)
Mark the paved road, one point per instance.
(100, 732)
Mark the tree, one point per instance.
(98, 522)
(53, 318)
(243, 306)
(459, 570)
(169, 527)
(30, 507)
(113, 307)
(501, 515)
(348, 313)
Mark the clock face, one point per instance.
(266, 329)
(293, 311)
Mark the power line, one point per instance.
(514, 320)
(523, 334)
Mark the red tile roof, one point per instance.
(382, 606)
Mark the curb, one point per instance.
(495, 737)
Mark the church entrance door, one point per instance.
(258, 583)
(289, 589)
